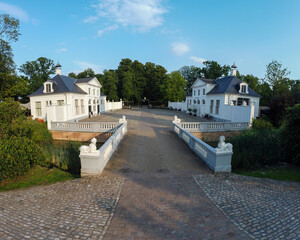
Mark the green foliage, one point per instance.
(64, 155)
(38, 72)
(190, 74)
(72, 75)
(261, 124)
(290, 136)
(255, 148)
(278, 108)
(17, 155)
(173, 87)
(110, 81)
(12, 86)
(9, 28)
(252, 81)
(86, 73)
(7, 64)
(214, 70)
(10, 115)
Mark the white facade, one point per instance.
(65, 106)
(239, 106)
(107, 106)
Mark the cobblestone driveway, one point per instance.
(77, 209)
(264, 208)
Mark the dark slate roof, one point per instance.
(190, 94)
(102, 95)
(230, 84)
(207, 80)
(84, 80)
(62, 84)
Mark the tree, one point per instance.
(295, 90)
(86, 73)
(278, 108)
(277, 77)
(139, 81)
(110, 81)
(251, 80)
(125, 79)
(9, 28)
(213, 70)
(190, 74)
(38, 72)
(12, 86)
(72, 75)
(173, 87)
(266, 93)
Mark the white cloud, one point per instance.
(180, 48)
(61, 50)
(14, 10)
(90, 19)
(141, 15)
(110, 28)
(84, 65)
(198, 59)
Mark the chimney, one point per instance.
(233, 70)
(58, 68)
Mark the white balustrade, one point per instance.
(84, 126)
(93, 162)
(218, 159)
(213, 126)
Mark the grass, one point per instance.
(37, 176)
(280, 172)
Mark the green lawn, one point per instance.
(37, 176)
(285, 172)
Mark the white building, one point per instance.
(226, 98)
(64, 98)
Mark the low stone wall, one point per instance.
(214, 136)
(93, 161)
(218, 159)
(79, 136)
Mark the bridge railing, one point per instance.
(84, 126)
(213, 126)
(94, 160)
(218, 159)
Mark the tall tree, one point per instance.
(213, 70)
(190, 74)
(38, 71)
(72, 75)
(139, 81)
(110, 81)
(86, 73)
(277, 77)
(173, 87)
(125, 80)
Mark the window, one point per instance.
(76, 106)
(59, 102)
(38, 108)
(198, 101)
(243, 89)
(82, 106)
(211, 106)
(50, 102)
(98, 93)
(194, 101)
(48, 87)
(203, 101)
(46, 103)
(241, 100)
(90, 102)
(190, 101)
(89, 91)
(94, 92)
(203, 91)
(194, 92)
(198, 92)
(217, 106)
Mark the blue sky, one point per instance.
(172, 33)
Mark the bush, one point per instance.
(34, 130)
(255, 148)
(17, 155)
(261, 124)
(290, 136)
(64, 155)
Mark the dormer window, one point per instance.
(48, 87)
(244, 88)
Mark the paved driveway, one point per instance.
(154, 187)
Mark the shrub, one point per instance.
(64, 155)
(17, 155)
(255, 148)
(261, 124)
(290, 135)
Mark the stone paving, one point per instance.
(263, 208)
(77, 209)
(153, 187)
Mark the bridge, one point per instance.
(153, 187)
